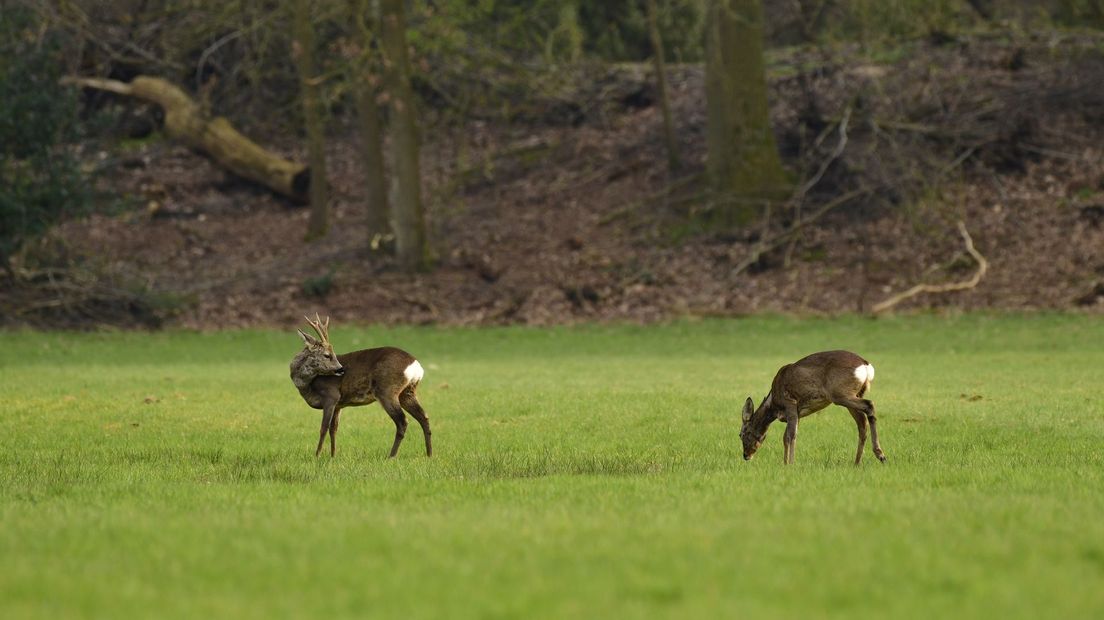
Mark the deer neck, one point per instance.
(303, 378)
(763, 417)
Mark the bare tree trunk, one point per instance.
(309, 84)
(661, 85)
(371, 133)
(744, 166)
(982, 8)
(406, 198)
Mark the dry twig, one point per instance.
(796, 227)
(767, 243)
(983, 266)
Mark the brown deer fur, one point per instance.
(332, 382)
(807, 386)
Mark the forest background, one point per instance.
(461, 162)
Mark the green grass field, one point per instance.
(578, 472)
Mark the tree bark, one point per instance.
(313, 118)
(743, 166)
(213, 136)
(406, 199)
(982, 8)
(371, 133)
(673, 163)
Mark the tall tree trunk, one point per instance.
(313, 118)
(406, 197)
(661, 86)
(982, 8)
(744, 167)
(371, 133)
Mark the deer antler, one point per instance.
(320, 327)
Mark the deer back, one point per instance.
(368, 372)
(821, 376)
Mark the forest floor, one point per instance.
(541, 223)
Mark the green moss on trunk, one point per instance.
(744, 168)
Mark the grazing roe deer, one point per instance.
(331, 382)
(807, 386)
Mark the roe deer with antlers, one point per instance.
(807, 386)
(332, 382)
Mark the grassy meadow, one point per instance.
(578, 472)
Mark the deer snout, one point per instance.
(340, 371)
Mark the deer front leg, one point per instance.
(333, 431)
(327, 417)
(789, 437)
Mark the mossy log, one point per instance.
(184, 121)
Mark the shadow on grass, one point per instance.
(549, 463)
(67, 472)
(292, 468)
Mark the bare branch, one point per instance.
(767, 243)
(211, 49)
(113, 86)
(811, 183)
(796, 227)
(983, 266)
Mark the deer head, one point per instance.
(752, 435)
(318, 356)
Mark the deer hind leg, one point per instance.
(866, 408)
(391, 406)
(860, 421)
(409, 401)
(874, 432)
(333, 431)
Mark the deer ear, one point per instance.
(308, 339)
(749, 408)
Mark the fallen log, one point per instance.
(184, 121)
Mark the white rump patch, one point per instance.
(414, 372)
(864, 373)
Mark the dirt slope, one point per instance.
(536, 224)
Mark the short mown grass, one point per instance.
(578, 472)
